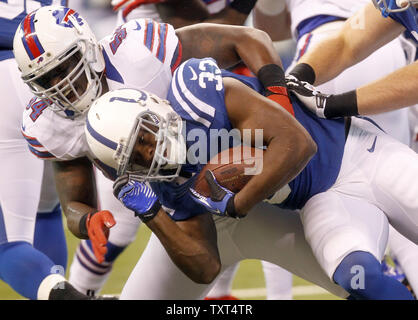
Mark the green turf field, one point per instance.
(248, 283)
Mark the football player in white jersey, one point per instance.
(140, 54)
(30, 215)
(325, 17)
(401, 250)
(310, 27)
(374, 25)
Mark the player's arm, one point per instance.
(191, 244)
(228, 45)
(77, 191)
(360, 36)
(397, 90)
(289, 145)
(76, 188)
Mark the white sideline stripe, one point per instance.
(262, 292)
(296, 291)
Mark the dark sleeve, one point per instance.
(243, 6)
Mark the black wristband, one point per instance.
(82, 226)
(271, 75)
(151, 212)
(243, 6)
(304, 72)
(341, 105)
(230, 208)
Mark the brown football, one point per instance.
(233, 168)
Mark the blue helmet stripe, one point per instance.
(100, 138)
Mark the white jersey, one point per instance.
(301, 10)
(140, 54)
(413, 125)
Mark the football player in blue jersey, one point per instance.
(375, 25)
(187, 12)
(340, 167)
(30, 214)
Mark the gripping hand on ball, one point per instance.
(221, 200)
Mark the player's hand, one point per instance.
(129, 5)
(139, 197)
(98, 225)
(314, 100)
(221, 200)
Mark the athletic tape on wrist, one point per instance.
(304, 72)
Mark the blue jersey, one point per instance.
(409, 19)
(12, 13)
(197, 95)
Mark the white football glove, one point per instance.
(312, 99)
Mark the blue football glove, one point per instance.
(140, 198)
(221, 200)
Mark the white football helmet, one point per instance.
(46, 42)
(113, 123)
(388, 6)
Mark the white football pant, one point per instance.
(268, 233)
(377, 181)
(21, 172)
